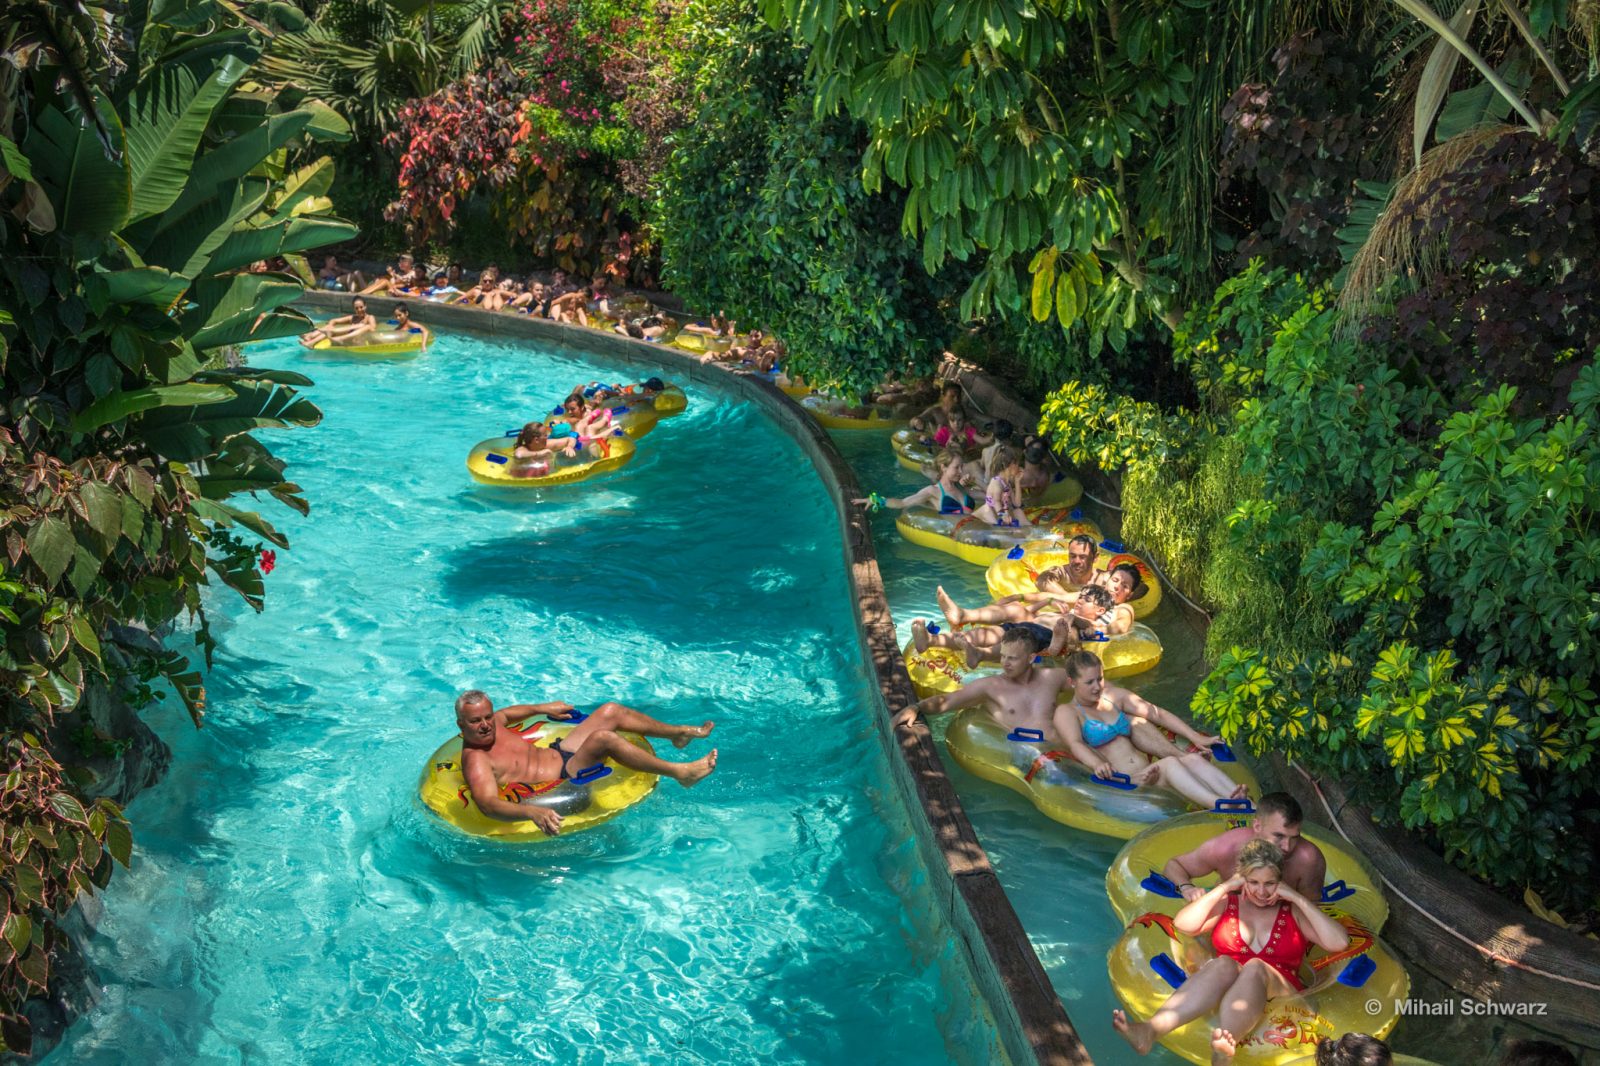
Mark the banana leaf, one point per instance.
(191, 434)
(226, 307)
(247, 244)
(121, 405)
(169, 112)
(89, 190)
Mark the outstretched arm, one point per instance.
(969, 695)
(555, 709)
(1139, 707)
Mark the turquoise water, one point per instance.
(1053, 874)
(292, 901)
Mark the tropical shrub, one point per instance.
(135, 205)
(762, 213)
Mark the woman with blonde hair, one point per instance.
(1261, 930)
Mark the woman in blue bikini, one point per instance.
(1098, 728)
(947, 494)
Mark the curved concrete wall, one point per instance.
(1033, 1026)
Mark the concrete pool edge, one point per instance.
(1030, 1021)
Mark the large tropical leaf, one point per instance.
(248, 244)
(1436, 77)
(138, 285)
(223, 305)
(309, 182)
(188, 249)
(169, 113)
(89, 189)
(223, 514)
(217, 172)
(191, 434)
(120, 405)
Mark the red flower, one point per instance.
(269, 559)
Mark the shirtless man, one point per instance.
(1021, 695)
(493, 756)
(1277, 819)
(1091, 613)
(1058, 593)
(341, 329)
(939, 414)
(398, 275)
(1096, 726)
(569, 307)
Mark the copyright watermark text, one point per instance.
(1434, 1008)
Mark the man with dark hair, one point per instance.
(1538, 1053)
(1022, 695)
(1354, 1049)
(939, 414)
(1277, 819)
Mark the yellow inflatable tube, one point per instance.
(940, 670)
(979, 543)
(830, 411)
(1061, 787)
(1017, 573)
(582, 804)
(1136, 885)
(492, 462)
(699, 342)
(1151, 960)
(377, 342)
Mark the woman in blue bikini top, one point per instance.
(946, 494)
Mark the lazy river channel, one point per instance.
(291, 900)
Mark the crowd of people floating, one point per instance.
(1248, 885)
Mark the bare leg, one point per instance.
(1199, 995)
(1176, 776)
(993, 614)
(1210, 774)
(603, 744)
(1247, 997)
(615, 716)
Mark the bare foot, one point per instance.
(692, 773)
(974, 656)
(919, 635)
(1138, 1034)
(948, 606)
(1242, 792)
(693, 732)
(1223, 1047)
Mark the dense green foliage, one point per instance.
(134, 203)
(761, 213)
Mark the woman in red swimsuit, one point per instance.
(1261, 930)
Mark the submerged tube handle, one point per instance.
(1233, 806)
(1024, 735)
(1357, 971)
(1096, 638)
(1015, 553)
(1111, 545)
(1222, 753)
(1334, 891)
(1059, 476)
(1160, 885)
(933, 627)
(558, 410)
(1118, 780)
(496, 457)
(1168, 971)
(573, 717)
(593, 773)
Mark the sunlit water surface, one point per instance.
(292, 901)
